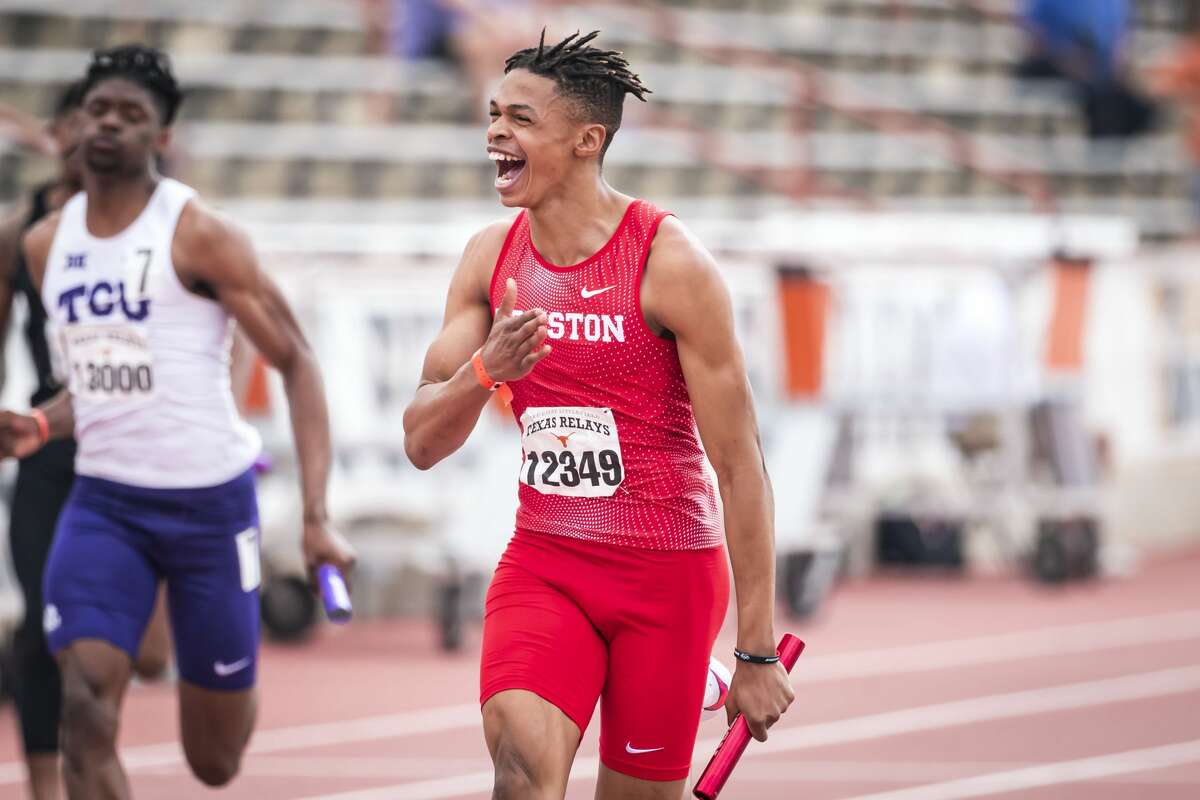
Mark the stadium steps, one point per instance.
(280, 95)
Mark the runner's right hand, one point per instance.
(516, 343)
(320, 544)
(19, 435)
(760, 693)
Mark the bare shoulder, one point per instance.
(676, 254)
(486, 243)
(10, 239)
(202, 228)
(677, 258)
(210, 249)
(12, 224)
(480, 256)
(37, 241)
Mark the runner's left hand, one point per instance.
(761, 693)
(322, 544)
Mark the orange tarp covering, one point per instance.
(1064, 342)
(804, 305)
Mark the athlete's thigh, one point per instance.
(210, 561)
(213, 605)
(658, 661)
(212, 598)
(537, 638)
(542, 668)
(532, 737)
(94, 670)
(100, 581)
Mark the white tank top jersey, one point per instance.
(146, 360)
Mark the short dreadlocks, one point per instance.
(595, 80)
(145, 66)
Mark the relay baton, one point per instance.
(333, 592)
(720, 767)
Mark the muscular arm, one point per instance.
(210, 251)
(449, 398)
(701, 320)
(19, 435)
(59, 411)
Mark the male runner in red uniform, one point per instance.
(614, 585)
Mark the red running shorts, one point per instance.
(575, 622)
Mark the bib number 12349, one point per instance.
(571, 450)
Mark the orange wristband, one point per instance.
(481, 373)
(486, 381)
(43, 424)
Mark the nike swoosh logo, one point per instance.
(225, 670)
(586, 293)
(629, 748)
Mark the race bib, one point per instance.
(108, 362)
(571, 450)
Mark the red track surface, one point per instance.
(942, 688)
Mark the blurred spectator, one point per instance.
(1082, 41)
(475, 36)
(412, 29)
(425, 29)
(490, 32)
(1178, 78)
(1070, 39)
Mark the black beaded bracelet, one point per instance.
(749, 658)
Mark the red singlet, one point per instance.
(610, 448)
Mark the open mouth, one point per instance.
(508, 169)
(103, 144)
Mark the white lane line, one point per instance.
(299, 737)
(856, 729)
(347, 766)
(1083, 769)
(910, 773)
(1055, 641)
(791, 772)
(998, 648)
(1139, 686)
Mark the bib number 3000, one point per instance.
(109, 362)
(573, 451)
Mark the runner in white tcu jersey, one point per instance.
(142, 285)
(44, 482)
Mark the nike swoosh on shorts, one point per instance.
(629, 748)
(225, 670)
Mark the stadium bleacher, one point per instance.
(891, 95)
